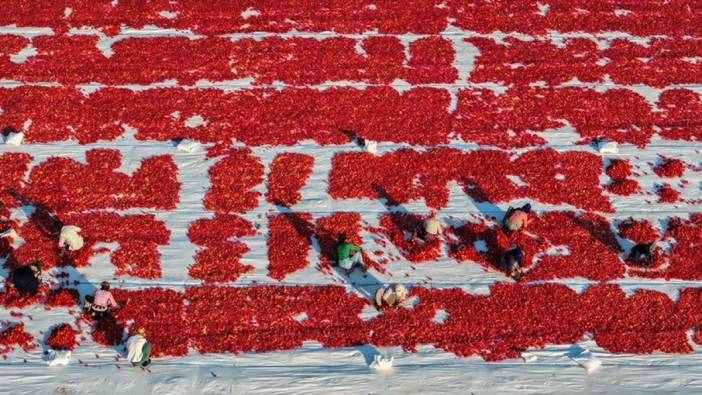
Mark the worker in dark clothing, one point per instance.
(27, 279)
(512, 262)
(642, 254)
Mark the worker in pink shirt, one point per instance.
(99, 306)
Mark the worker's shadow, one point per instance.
(366, 284)
(391, 204)
(39, 214)
(600, 232)
(368, 352)
(399, 215)
(76, 280)
(481, 201)
(4, 273)
(354, 137)
(7, 262)
(625, 245)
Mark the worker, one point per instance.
(516, 218)
(99, 306)
(390, 296)
(643, 254)
(429, 230)
(70, 238)
(512, 262)
(349, 255)
(139, 349)
(27, 279)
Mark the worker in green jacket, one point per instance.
(349, 255)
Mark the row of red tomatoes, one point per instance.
(71, 60)
(418, 116)
(511, 319)
(420, 17)
(660, 62)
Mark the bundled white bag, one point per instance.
(588, 361)
(188, 146)
(381, 362)
(529, 357)
(58, 358)
(372, 147)
(605, 147)
(14, 139)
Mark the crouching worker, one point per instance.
(516, 218)
(27, 279)
(349, 255)
(642, 254)
(139, 349)
(429, 230)
(70, 238)
(390, 296)
(100, 305)
(512, 262)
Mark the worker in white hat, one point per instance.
(430, 229)
(391, 296)
(70, 238)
